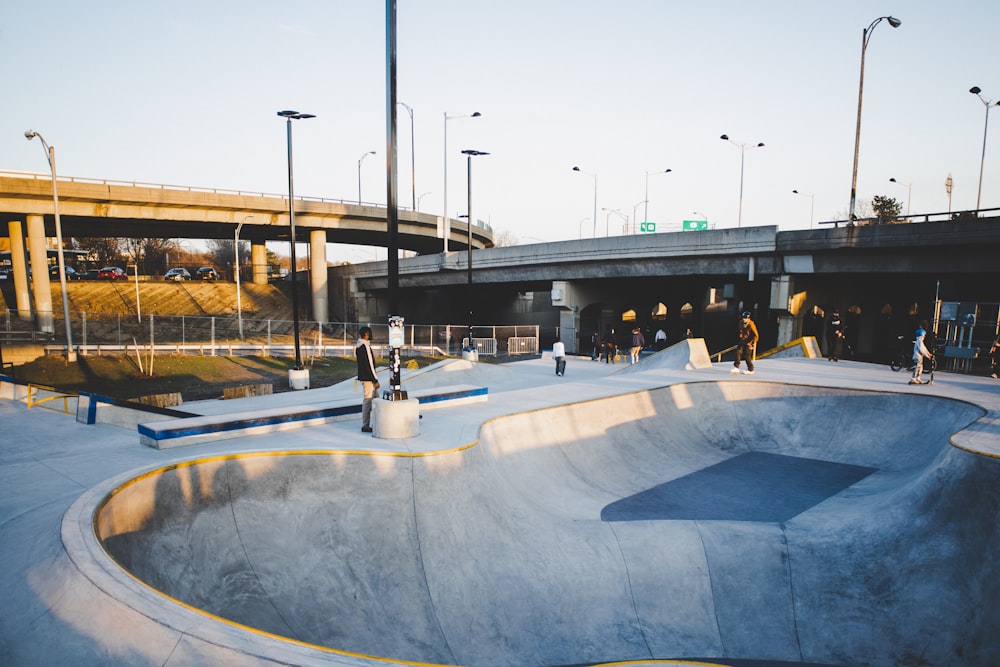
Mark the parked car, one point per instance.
(90, 274)
(177, 274)
(71, 273)
(207, 273)
(112, 273)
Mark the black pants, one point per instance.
(744, 351)
(560, 365)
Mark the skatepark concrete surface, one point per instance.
(815, 513)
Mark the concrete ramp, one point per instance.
(459, 371)
(689, 354)
(727, 520)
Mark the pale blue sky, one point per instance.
(186, 93)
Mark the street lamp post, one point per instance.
(607, 219)
(360, 160)
(298, 373)
(812, 202)
(446, 232)
(413, 158)
(593, 176)
(645, 213)
(422, 195)
(743, 149)
(236, 255)
(909, 190)
(470, 153)
(865, 36)
(975, 90)
(50, 154)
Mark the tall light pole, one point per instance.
(422, 195)
(865, 36)
(909, 190)
(50, 154)
(607, 219)
(975, 90)
(447, 226)
(413, 158)
(743, 149)
(469, 154)
(289, 116)
(812, 202)
(593, 176)
(645, 213)
(236, 255)
(360, 160)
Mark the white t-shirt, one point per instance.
(558, 349)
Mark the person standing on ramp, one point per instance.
(366, 375)
(747, 334)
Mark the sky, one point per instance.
(186, 93)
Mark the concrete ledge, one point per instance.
(190, 430)
(96, 409)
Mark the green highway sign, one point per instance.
(647, 226)
(695, 225)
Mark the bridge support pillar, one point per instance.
(37, 251)
(19, 265)
(318, 276)
(258, 262)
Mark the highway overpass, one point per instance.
(94, 208)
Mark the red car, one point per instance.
(111, 273)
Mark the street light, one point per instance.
(50, 154)
(635, 214)
(236, 254)
(909, 189)
(975, 90)
(580, 226)
(447, 227)
(865, 36)
(607, 218)
(298, 371)
(743, 149)
(645, 213)
(422, 195)
(360, 160)
(469, 154)
(413, 158)
(812, 202)
(593, 176)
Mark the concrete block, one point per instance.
(396, 419)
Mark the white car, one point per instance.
(177, 275)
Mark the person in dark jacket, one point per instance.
(748, 336)
(835, 333)
(367, 376)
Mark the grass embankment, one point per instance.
(195, 377)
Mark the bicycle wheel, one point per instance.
(897, 363)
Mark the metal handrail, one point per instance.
(718, 355)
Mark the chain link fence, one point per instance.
(110, 333)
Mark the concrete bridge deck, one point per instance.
(816, 513)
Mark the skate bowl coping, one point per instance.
(733, 519)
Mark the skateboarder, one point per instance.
(919, 352)
(747, 334)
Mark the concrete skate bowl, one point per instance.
(723, 522)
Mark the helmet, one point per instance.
(745, 314)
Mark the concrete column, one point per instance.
(258, 262)
(318, 276)
(40, 288)
(19, 264)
